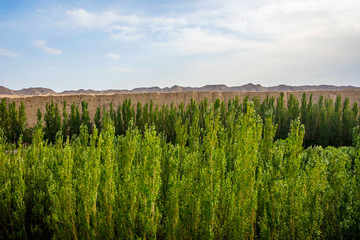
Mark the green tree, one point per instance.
(13, 123)
(335, 124)
(21, 120)
(347, 123)
(52, 120)
(85, 115)
(127, 114)
(12, 194)
(97, 119)
(62, 193)
(127, 203)
(281, 118)
(74, 121)
(149, 184)
(4, 117)
(310, 126)
(293, 109)
(65, 122)
(107, 185)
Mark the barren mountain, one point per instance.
(27, 91)
(36, 91)
(5, 91)
(219, 88)
(208, 88)
(285, 88)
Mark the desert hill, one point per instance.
(208, 88)
(36, 91)
(6, 91)
(27, 91)
(218, 88)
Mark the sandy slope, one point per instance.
(32, 103)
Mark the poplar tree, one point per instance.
(74, 121)
(107, 184)
(281, 118)
(65, 121)
(97, 119)
(335, 124)
(13, 123)
(21, 121)
(62, 193)
(52, 119)
(4, 117)
(85, 115)
(347, 123)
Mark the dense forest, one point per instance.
(238, 170)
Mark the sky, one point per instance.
(125, 44)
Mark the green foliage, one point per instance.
(74, 121)
(281, 118)
(4, 117)
(85, 115)
(62, 193)
(21, 121)
(52, 120)
(12, 194)
(97, 119)
(201, 171)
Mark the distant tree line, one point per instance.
(327, 123)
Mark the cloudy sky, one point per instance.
(137, 43)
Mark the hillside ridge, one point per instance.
(36, 91)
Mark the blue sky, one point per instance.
(132, 43)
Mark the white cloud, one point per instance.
(125, 33)
(8, 53)
(42, 45)
(107, 19)
(113, 56)
(117, 69)
(272, 40)
(124, 27)
(227, 25)
(190, 41)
